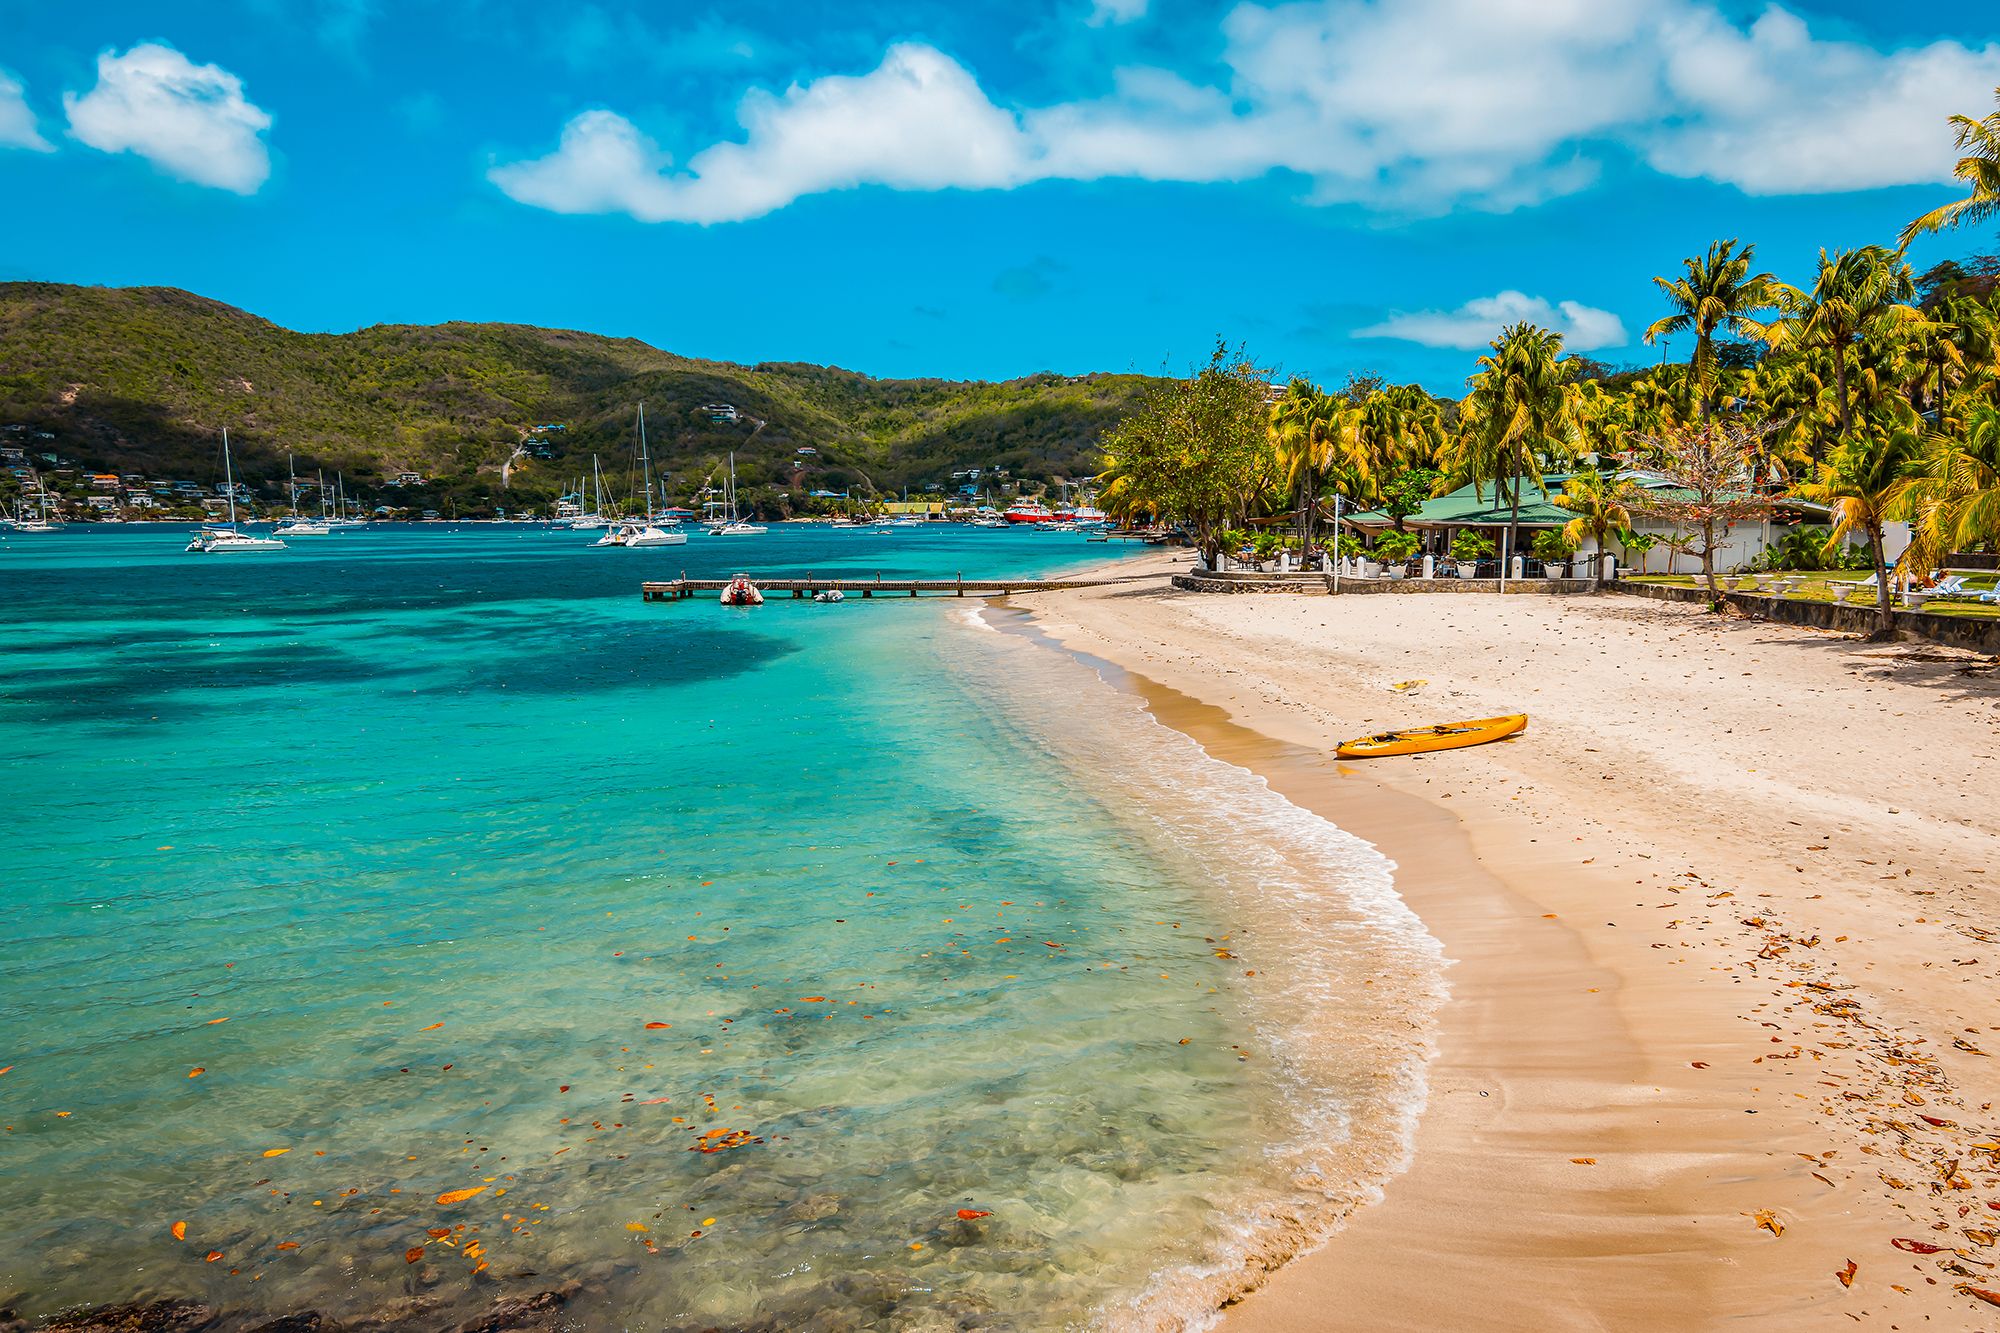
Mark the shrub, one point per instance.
(1470, 544)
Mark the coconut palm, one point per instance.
(1313, 432)
(1952, 498)
(1979, 169)
(1598, 501)
(1521, 411)
(1719, 293)
(1864, 479)
(1855, 294)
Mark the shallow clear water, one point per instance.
(451, 864)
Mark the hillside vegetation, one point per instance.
(142, 380)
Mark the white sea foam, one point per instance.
(1343, 980)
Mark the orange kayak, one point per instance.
(1422, 740)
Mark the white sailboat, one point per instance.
(298, 525)
(633, 533)
(218, 540)
(595, 520)
(733, 526)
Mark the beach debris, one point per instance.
(180, 1230)
(288, 1245)
(413, 1254)
(637, 1226)
(1846, 1274)
(971, 1214)
(1768, 1220)
(276, 1152)
(1407, 686)
(1909, 1246)
(211, 1256)
(1979, 1293)
(655, 1027)
(432, 1028)
(1584, 1161)
(460, 1196)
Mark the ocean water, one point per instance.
(858, 966)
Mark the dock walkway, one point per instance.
(674, 590)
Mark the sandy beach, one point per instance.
(1722, 1039)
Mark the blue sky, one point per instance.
(919, 188)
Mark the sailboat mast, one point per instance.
(228, 478)
(646, 462)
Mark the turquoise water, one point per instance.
(452, 865)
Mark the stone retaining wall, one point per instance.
(1953, 631)
(1237, 581)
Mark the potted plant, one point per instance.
(1553, 550)
(1394, 549)
(1468, 547)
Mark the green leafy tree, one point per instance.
(1861, 480)
(1711, 471)
(1855, 295)
(1522, 409)
(1601, 505)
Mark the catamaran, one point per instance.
(218, 540)
(734, 526)
(650, 532)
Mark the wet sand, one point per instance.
(1724, 948)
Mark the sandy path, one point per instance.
(1724, 929)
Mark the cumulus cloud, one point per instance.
(190, 121)
(17, 122)
(1479, 321)
(1417, 106)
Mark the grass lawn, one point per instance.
(1816, 586)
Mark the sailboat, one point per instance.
(215, 540)
(298, 525)
(634, 533)
(341, 518)
(734, 526)
(22, 522)
(595, 519)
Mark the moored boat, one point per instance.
(1029, 511)
(742, 592)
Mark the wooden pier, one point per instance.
(680, 589)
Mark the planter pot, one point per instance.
(1468, 569)
(1553, 571)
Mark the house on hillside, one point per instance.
(720, 412)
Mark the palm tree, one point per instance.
(1599, 502)
(1863, 479)
(1856, 293)
(1313, 433)
(1952, 500)
(1719, 293)
(1521, 410)
(1979, 168)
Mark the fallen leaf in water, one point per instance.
(438, 1233)
(180, 1230)
(1846, 1275)
(655, 1101)
(211, 1256)
(460, 1196)
(1907, 1245)
(637, 1226)
(1768, 1220)
(414, 1253)
(968, 1214)
(812, 999)
(2, 1071)
(276, 1152)
(197, 1071)
(654, 1027)
(213, 1021)
(432, 1028)
(288, 1245)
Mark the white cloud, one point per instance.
(918, 122)
(1115, 11)
(1414, 106)
(1479, 321)
(17, 122)
(191, 121)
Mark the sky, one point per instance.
(920, 188)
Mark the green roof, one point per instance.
(1489, 508)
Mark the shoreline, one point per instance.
(1604, 1136)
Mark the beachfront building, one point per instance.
(1488, 512)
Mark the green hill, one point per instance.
(142, 380)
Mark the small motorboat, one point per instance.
(742, 592)
(1423, 740)
(829, 595)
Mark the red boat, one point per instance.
(1029, 511)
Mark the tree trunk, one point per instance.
(1885, 606)
(1708, 566)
